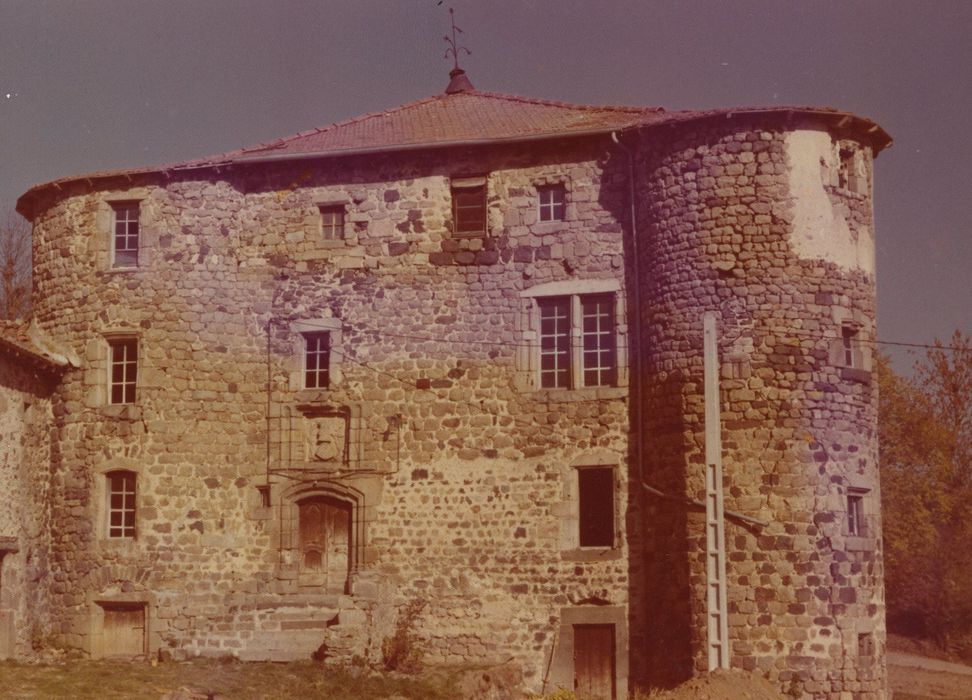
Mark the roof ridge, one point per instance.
(346, 122)
(560, 103)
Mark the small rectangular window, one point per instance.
(469, 205)
(317, 360)
(125, 234)
(123, 370)
(555, 342)
(848, 336)
(332, 222)
(865, 644)
(596, 506)
(855, 514)
(552, 200)
(121, 505)
(847, 171)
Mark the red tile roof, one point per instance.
(458, 117)
(467, 116)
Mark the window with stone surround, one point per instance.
(591, 507)
(552, 200)
(848, 336)
(595, 491)
(332, 221)
(469, 205)
(593, 316)
(122, 370)
(125, 234)
(574, 337)
(315, 362)
(120, 506)
(856, 526)
(317, 359)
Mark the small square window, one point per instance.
(317, 360)
(123, 370)
(469, 205)
(125, 217)
(552, 200)
(855, 513)
(332, 222)
(121, 504)
(595, 486)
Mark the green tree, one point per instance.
(926, 473)
(15, 264)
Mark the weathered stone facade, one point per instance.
(440, 468)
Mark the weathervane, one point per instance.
(454, 48)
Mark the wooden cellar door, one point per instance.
(594, 662)
(124, 629)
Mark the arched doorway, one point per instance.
(324, 542)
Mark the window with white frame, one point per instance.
(121, 504)
(469, 205)
(125, 229)
(317, 360)
(332, 222)
(577, 341)
(122, 370)
(552, 201)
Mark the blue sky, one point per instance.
(117, 83)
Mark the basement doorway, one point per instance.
(123, 629)
(594, 652)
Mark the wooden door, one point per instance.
(594, 662)
(325, 543)
(124, 630)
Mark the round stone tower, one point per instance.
(765, 218)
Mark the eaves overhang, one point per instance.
(860, 127)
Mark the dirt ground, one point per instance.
(920, 678)
(912, 677)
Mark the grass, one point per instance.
(232, 679)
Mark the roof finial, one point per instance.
(458, 81)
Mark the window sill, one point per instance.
(469, 234)
(119, 545)
(556, 226)
(121, 269)
(591, 554)
(128, 411)
(313, 396)
(585, 394)
(856, 543)
(855, 374)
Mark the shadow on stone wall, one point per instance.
(659, 617)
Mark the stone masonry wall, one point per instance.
(461, 475)
(725, 225)
(25, 425)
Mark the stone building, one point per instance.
(449, 357)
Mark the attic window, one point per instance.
(469, 205)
